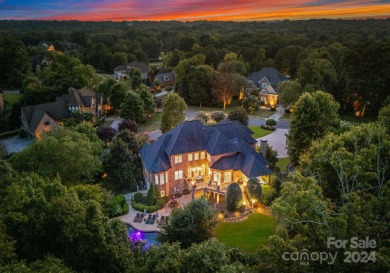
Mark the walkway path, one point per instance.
(277, 140)
(278, 113)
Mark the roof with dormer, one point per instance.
(228, 138)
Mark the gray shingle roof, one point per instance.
(225, 138)
(271, 73)
(141, 66)
(56, 110)
(165, 77)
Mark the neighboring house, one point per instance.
(1, 102)
(266, 82)
(40, 61)
(211, 157)
(122, 71)
(166, 79)
(37, 119)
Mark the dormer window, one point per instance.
(264, 85)
(46, 123)
(166, 78)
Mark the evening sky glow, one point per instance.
(191, 10)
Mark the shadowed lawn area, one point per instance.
(248, 234)
(353, 119)
(151, 124)
(259, 132)
(282, 163)
(3, 152)
(11, 98)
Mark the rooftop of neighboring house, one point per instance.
(56, 110)
(79, 97)
(37, 59)
(228, 138)
(143, 68)
(165, 77)
(273, 76)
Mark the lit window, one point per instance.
(162, 194)
(227, 177)
(178, 159)
(162, 179)
(196, 156)
(189, 157)
(202, 155)
(156, 179)
(178, 175)
(208, 157)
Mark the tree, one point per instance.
(192, 224)
(173, 112)
(314, 116)
(151, 195)
(147, 98)
(218, 116)
(250, 104)
(106, 134)
(233, 197)
(270, 122)
(105, 87)
(120, 165)
(15, 63)
(286, 60)
(254, 189)
(384, 117)
(289, 91)
(132, 108)
(129, 125)
(240, 115)
(202, 117)
(117, 94)
(64, 153)
(228, 80)
(199, 83)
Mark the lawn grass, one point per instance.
(151, 124)
(248, 234)
(259, 132)
(3, 152)
(359, 120)
(282, 163)
(286, 116)
(11, 98)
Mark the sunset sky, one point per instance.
(190, 10)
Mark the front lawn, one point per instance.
(11, 98)
(353, 119)
(151, 124)
(259, 132)
(248, 234)
(282, 163)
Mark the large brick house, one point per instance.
(265, 83)
(192, 154)
(40, 118)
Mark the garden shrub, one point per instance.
(118, 206)
(202, 117)
(138, 197)
(270, 122)
(267, 194)
(160, 202)
(218, 116)
(254, 189)
(268, 127)
(233, 197)
(151, 195)
(141, 207)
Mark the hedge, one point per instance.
(118, 206)
(10, 133)
(160, 203)
(271, 128)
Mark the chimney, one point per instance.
(263, 148)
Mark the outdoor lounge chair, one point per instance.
(149, 219)
(153, 219)
(136, 217)
(141, 217)
(162, 219)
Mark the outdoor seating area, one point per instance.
(151, 219)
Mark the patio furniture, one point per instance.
(149, 219)
(141, 217)
(136, 217)
(153, 219)
(162, 219)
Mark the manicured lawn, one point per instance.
(248, 234)
(282, 163)
(11, 98)
(354, 119)
(286, 116)
(259, 132)
(151, 124)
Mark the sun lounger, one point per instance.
(136, 217)
(141, 218)
(162, 219)
(153, 219)
(149, 219)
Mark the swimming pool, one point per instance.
(149, 237)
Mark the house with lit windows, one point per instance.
(208, 158)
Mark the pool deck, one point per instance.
(166, 211)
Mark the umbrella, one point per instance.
(157, 214)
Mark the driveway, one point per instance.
(277, 140)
